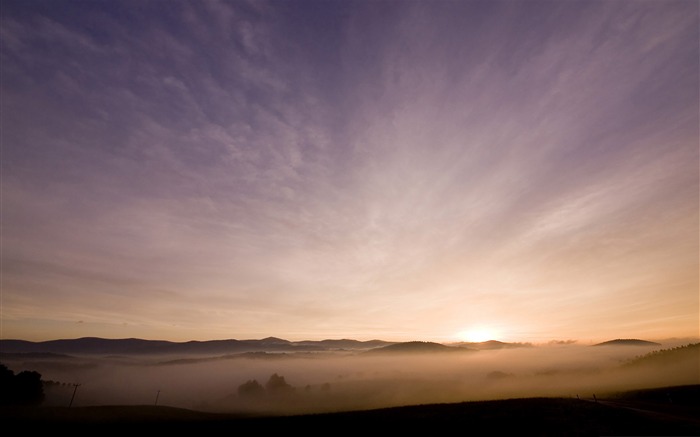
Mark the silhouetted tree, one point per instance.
(31, 389)
(250, 388)
(277, 385)
(25, 388)
(7, 384)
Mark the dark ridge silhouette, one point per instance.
(527, 416)
(627, 342)
(238, 356)
(89, 345)
(36, 356)
(490, 344)
(136, 346)
(271, 340)
(668, 356)
(346, 344)
(417, 347)
(685, 395)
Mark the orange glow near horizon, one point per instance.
(401, 171)
(479, 333)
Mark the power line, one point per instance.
(75, 389)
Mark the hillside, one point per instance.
(136, 346)
(531, 416)
(417, 347)
(627, 342)
(666, 356)
(490, 345)
(686, 395)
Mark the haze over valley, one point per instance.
(343, 375)
(264, 207)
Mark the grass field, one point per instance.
(647, 412)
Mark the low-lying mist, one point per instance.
(337, 381)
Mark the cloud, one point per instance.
(302, 169)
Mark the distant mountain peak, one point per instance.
(627, 342)
(274, 340)
(417, 347)
(491, 344)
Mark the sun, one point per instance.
(478, 334)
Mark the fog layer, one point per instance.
(321, 382)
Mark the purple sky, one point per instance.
(368, 169)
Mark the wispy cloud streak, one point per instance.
(228, 169)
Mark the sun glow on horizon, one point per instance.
(342, 181)
(478, 334)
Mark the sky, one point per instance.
(401, 170)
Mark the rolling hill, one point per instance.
(526, 416)
(490, 345)
(627, 342)
(416, 347)
(690, 352)
(136, 346)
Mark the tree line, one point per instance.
(275, 385)
(24, 388)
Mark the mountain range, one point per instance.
(136, 346)
(627, 342)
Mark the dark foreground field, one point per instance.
(663, 412)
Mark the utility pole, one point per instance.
(157, 394)
(75, 389)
